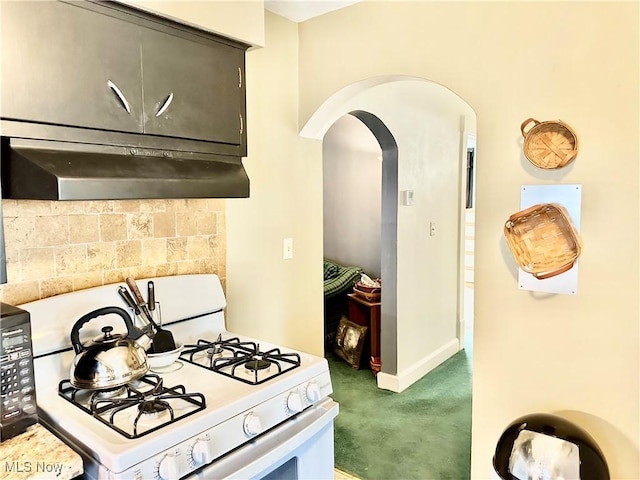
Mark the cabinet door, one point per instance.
(66, 65)
(193, 87)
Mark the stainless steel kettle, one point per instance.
(110, 360)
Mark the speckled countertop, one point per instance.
(38, 454)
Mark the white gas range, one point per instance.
(275, 421)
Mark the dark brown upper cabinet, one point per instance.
(105, 66)
(192, 88)
(65, 65)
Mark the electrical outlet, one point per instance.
(287, 245)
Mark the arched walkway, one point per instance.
(420, 126)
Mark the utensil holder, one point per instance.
(156, 313)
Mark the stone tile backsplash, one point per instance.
(60, 247)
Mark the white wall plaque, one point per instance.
(570, 197)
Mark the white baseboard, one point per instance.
(401, 381)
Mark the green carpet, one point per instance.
(422, 433)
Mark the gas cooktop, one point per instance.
(210, 415)
(137, 408)
(241, 360)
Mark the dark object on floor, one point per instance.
(350, 339)
(338, 282)
(541, 445)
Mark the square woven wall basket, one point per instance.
(543, 240)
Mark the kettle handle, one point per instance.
(75, 330)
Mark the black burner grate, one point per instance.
(240, 360)
(149, 399)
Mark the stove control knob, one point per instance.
(252, 424)
(168, 467)
(313, 392)
(200, 452)
(294, 403)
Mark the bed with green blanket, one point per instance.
(338, 282)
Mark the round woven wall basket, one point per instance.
(551, 144)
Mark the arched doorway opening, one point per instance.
(430, 126)
(360, 177)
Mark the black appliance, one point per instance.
(17, 382)
(541, 445)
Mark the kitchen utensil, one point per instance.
(110, 360)
(549, 144)
(543, 240)
(163, 340)
(151, 296)
(142, 305)
(145, 335)
(128, 299)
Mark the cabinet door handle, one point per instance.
(165, 105)
(241, 124)
(239, 77)
(120, 95)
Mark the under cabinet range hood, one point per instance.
(101, 101)
(47, 170)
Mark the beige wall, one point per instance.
(60, 247)
(511, 60)
(268, 297)
(352, 191)
(242, 20)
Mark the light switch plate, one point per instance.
(287, 246)
(407, 197)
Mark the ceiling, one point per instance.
(301, 10)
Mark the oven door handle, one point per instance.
(271, 448)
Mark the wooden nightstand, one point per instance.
(367, 314)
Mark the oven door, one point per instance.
(300, 448)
